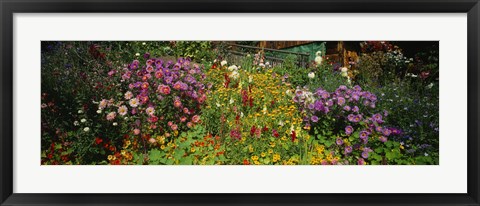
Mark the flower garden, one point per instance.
(186, 103)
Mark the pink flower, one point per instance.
(170, 123)
(111, 116)
(122, 110)
(128, 95)
(174, 127)
(189, 124)
(195, 118)
(163, 89)
(177, 103)
(136, 131)
(150, 110)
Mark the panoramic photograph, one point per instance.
(239, 103)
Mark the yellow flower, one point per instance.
(270, 151)
(110, 157)
(276, 157)
(162, 147)
(192, 149)
(263, 154)
(254, 158)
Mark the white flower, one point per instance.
(80, 111)
(217, 104)
(430, 85)
(83, 120)
(223, 63)
(344, 74)
(318, 60)
(86, 129)
(133, 102)
(267, 64)
(264, 110)
(250, 79)
(261, 65)
(99, 111)
(232, 101)
(235, 75)
(288, 92)
(281, 123)
(311, 75)
(344, 69)
(232, 68)
(137, 54)
(76, 123)
(114, 124)
(426, 154)
(319, 53)
(144, 43)
(126, 118)
(241, 114)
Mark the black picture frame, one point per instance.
(9, 7)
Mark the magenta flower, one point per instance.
(314, 118)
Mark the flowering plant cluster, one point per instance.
(345, 122)
(155, 97)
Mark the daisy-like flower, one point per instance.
(133, 102)
(86, 129)
(103, 104)
(111, 116)
(150, 110)
(177, 103)
(128, 95)
(195, 118)
(122, 110)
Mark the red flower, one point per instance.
(252, 130)
(294, 136)
(265, 129)
(245, 162)
(275, 133)
(98, 140)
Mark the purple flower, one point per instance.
(311, 106)
(346, 108)
(357, 118)
(357, 88)
(351, 117)
(363, 135)
(342, 87)
(348, 149)
(378, 118)
(329, 103)
(341, 101)
(355, 96)
(146, 55)
(386, 132)
(383, 139)
(348, 130)
(355, 109)
(339, 141)
(361, 161)
(379, 129)
(365, 154)
(314, 118)
(319, 105)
